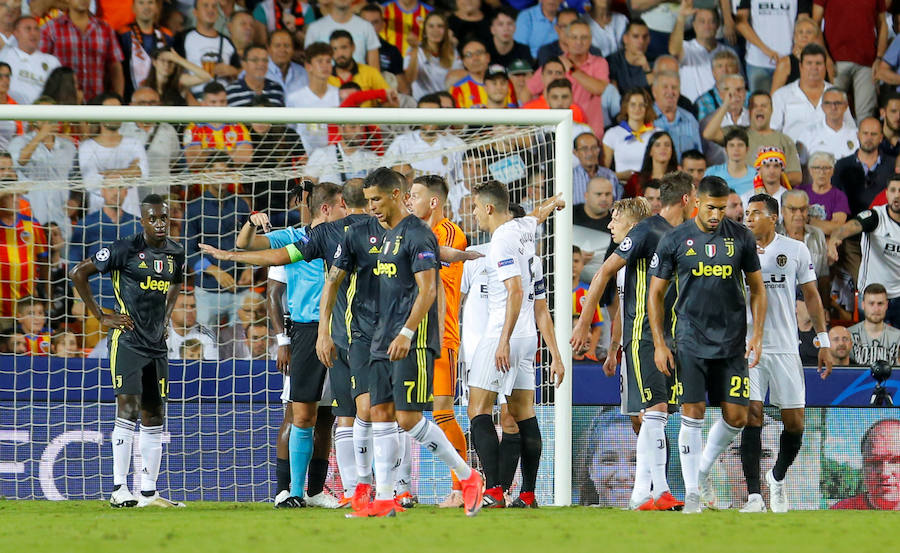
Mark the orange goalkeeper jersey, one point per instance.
(448, 234)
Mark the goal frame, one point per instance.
(561, 119)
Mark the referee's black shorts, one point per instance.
(307, 372)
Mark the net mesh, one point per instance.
(78, 189)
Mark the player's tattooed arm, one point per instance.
(850, 228)
(662, 355)
(324, 344)
(79, 276)
(758, 304)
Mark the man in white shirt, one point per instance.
(282, 69)
(317, 94)
(695, 56)
(160, 140)
(342, 17)
(345, 160)
(30, 67)
(768, 28)
(797, 105)
(207, 47)
(832, 134)
(874, 339)
(183, 327)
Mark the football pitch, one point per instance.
(204, 527)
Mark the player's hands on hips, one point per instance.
(399, 348)
(501, 358)
(754, 350)
(826, 363)
(325, 350)
(579, 338)
(609, 366)
(557, 372)
(283, 360)
(664, 360)
(117, 320)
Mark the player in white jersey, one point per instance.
(786, 265)
(503, 361)
(880, 228)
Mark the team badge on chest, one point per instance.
(710, 250)
(158, 265)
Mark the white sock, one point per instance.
(403, 473)
(384, 438)
(346, 459)
(363, 450)
(690, 443)
(720, 437)
(430, 436)
(122, 440)
(151, 455)
(655, 427)
(641, 489)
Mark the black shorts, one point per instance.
(723, 380)
(137, 374)
(339, 376)
(360, 358)
(646, 385)
(307, 372)
(407, 382)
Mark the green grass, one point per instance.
(42, 526)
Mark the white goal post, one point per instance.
(561, 120)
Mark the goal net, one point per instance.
(71, 184)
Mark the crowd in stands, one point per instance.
(799, 99)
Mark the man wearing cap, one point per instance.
(496, 88)
(770, 177)
(519, 72)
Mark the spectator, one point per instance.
(652, 195)
(160, 140)
(734, 208)
(841, 345)
(770, 177)
(878, 481)
(191, 350)
(659, 159)
(629, 67)
(760, 133)
(426, 66)
(682, 127)
(864, 174)
(469, 18)
(31, 322)
(856, 34)
(591, 225)
(587, 150)
(579, 295)
(9, 14)
(496, 88)
(551, 72)
(202, 139)
(98, 229)
(809, 353)
(502, 47)
(316, 94)
(874, 339)
(890, 117)
(172, 77)
(724, 63)
(341, 16)
(535, 25)
(880, 246)
(65, 345)
(183, 327)
(233, 337)
(254, 82)
(795, 214)
(555, 49)
(390, 57)
(282, 69)
(58, 277)
(8, 128)
(731, 112)
(88, 45)
(624, 145)
(695, 56)
(241, 29)
(832, 134)
(15, 343)
(767, 28)
(798, 105)
(347, 69)
(468, 90)
(660, 16)
(29, 67)
(215, 218)
(39, 155)
(828, 208)
(788, 69)
(208, 48)
(289, 16)
(335, 162)
(139, 41)
(256, 342)
(607, 27)
(736, 171)
(558, 95)
(403, 20)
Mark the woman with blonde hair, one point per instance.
(427, 63)
(788, 69)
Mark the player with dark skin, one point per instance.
(155, 222)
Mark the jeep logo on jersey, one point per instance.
(704, 270)
(387, 269)
(155, 284)
(781, 260)
(157, 265)
(710, 250)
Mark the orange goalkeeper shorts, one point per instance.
(445, 373)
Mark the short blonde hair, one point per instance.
(636, 209)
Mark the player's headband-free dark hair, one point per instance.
(674, 186)
(495, 193)
(771, 203)
(385, 179)
(435, 184)
(714, 187)
(323, 193)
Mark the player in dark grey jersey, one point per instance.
(655, 391)
(147, 271)
(709, 257)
